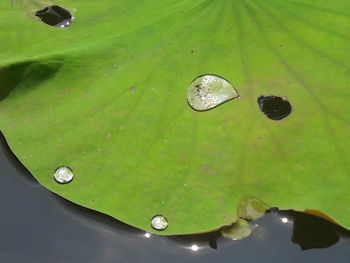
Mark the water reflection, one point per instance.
(196, 242)
(284, 220)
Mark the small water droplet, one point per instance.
(274, 107)
(55, 16)
(208, 91)
(159, 222)
(63, 174)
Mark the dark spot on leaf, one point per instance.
(55, 16)
(274, 107)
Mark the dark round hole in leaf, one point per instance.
(274, 107)
(55, 16)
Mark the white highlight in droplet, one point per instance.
(63, 174)
(159, 222)
(147, 235)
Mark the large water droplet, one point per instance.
(63, 174)
(208, 91)
(274, 107)
(159, 222)
(55, 16)
(251, 208)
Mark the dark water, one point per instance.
(55, 16)
(38, 226)
(274, 107)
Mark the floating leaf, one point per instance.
(238, 230)
(251, 208)
(107, 97)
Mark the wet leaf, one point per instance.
(251, 208)
(107, 97)
(238, 230)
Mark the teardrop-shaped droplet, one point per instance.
(63, 174)
(159, 222)
(55, 16)
(251, 208)
(274, 107)
(208, 91)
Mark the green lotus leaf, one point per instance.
(238, 230)
(107, 97)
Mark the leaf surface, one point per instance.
(107, 97)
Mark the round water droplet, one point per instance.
(274, 107)
(63, 174)
(159, 222)
(55, 16)
(208, 91)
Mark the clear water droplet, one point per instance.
(55, 16)
(208, 91)
(63, 174)
(251, 208)
(159, 222)
(274, 107)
